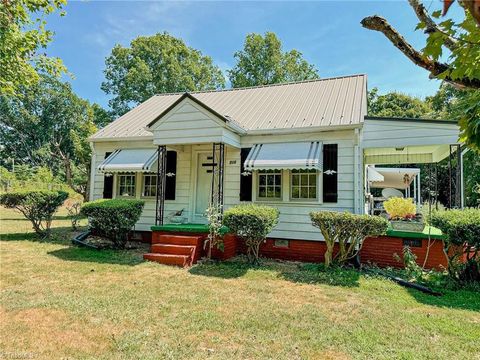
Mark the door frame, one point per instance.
(194, 169)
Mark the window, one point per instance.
(126, 185)
(412, 242)
(270, 184)
(149, 185)
(281, 243)
(304, 184)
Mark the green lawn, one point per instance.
(60, 301)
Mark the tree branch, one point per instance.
(430, 25)
(435, 68)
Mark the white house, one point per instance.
(299, 146)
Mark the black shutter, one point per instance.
(171, 181)
(330, 173)
(107, 183)
(245, 180)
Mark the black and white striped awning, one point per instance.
(294, 155)
(129, 160)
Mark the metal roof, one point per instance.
(334, 101)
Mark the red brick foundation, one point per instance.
(376, 250)
(380, 250)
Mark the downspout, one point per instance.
(92, 172)
(355, 174)
(462, 188)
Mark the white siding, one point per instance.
(189, 123)
(401, 133)
(294, 216)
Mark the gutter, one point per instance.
(299, 130)
(302, 130)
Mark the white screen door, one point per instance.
(204, 185)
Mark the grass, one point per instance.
(60, 301)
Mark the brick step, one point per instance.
(173, 249)
(168, 259)
(177, 240)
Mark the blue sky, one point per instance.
(328, 33)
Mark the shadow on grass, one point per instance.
(464, 299)
(291, 271)
(118, 257)
(59, 235)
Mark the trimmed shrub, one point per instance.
(113, 218)
(36, 206)
(251, 223)
(348, 230)
(462, 230)
(73, 206)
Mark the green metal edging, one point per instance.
(434, 233)
(192, 228)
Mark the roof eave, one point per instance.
(300, 130)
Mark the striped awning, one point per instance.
(129, 160)
(295, 155)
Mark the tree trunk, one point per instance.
(329, 252)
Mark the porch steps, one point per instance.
(168, 259)
(179, 250)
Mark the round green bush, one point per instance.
(36, 206)
(462, 231)
(348, 230)
(113, 218)
(252, 223)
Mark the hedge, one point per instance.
(37, 206)
(252, 223)
(113, 218)
(462, 230)
(348, 230)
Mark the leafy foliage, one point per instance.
(465, 55)
(74, 205)
(451, 53)
(252, 223)
(396, 104)
(37, 206)
(48, 125)
(400, 208)
(348, 231)
(462, 228)
(156, 64)
(22, 34)
(214, 217)
(113, 218)
(263, 61)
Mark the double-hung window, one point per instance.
(270, 184)
(149, 185)
(126, 185)
(303, 184)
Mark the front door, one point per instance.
(203, 186)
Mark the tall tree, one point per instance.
(23, 38)
(451, 54)
(48, 125)
(156, 64)
(263, 61)
(395, 104)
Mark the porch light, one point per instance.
(170, 174)
(246, 173)
(329, 172)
